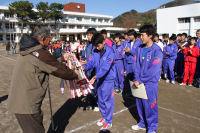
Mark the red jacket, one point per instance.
(191, 57)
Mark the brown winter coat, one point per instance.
(30, 79)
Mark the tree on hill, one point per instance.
(134, 19)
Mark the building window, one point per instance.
(93, 19)
(100, 20)
(106, 20)
(12, 26)
(86, 27)
(197, 19)
(184, 20)
(71, 26)
(13, 37)
(52, 26)
(7, 26)
(64, 26)
(8, 37)
(1, 37)
(71, 17)
(8, 15)
(79, 27)
(87, 19)
(79, 18)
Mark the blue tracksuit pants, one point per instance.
(119, 80)
(106, 100)
(180, 64)
(169, 65)
(148, 109)
(129, 71)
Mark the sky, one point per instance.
(106, 7)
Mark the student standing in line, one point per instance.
(86, 57)
(158, 42)
(181, 56)
(119, 63)
(191, 52)
(170, 53)
(103, 61)
(148, 68)
(130, 50)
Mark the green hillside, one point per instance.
(134, 19)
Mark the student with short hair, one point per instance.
(107, 41)
(158, 42)
(119, 63)
(102, 60)
(180, 56)
(148, 63)
(170, 52)
(130, 50)
(191, 52)
(86, 57)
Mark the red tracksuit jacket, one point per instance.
(191, 57)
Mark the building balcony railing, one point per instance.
(76, 22)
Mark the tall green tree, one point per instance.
(43, 11)
(23, 10)
(56, 12)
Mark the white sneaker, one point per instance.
(167, 81)
(96, 109)
(153, 132)
(165, 76)
(173, 82)
(189, 84)
(101, 122)
(182, 84)
(136, 127)
(106, 126)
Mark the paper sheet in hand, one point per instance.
(139, 92)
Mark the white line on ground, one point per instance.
(180, 113)
(8, 58)
(94, 122)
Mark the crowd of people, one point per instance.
(141, 57)
(179, 55)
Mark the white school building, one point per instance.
(179, 19)
(73, 26)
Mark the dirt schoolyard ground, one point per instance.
(179, 108)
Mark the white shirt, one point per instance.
(160, 44)
(131, 45)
